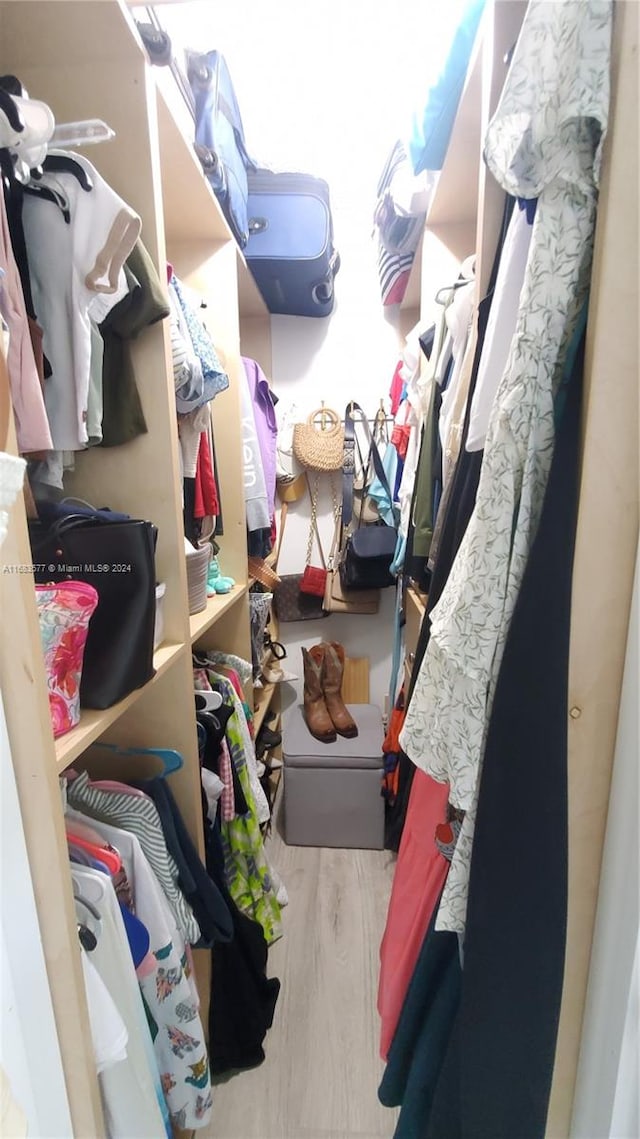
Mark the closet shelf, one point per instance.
(262, 703)
(455, 201)
(417, 598)
(191, 210)
(453, 211)
(250, 302)
(93, 722)
(216, 606)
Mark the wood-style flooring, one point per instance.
(322, 1067)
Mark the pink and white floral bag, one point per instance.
(64, 610)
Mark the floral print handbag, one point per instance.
(64, 610)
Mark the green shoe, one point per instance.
(216, 582)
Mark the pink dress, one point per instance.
(32, 424)
(420, 875)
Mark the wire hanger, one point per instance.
(442, 300)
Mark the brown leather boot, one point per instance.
(316, 715)
(332, 688)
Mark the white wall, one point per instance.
(327, 88)
(29, 1050)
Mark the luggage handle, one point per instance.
(258, 225)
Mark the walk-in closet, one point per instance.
(318, 590)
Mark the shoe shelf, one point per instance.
(262, 698)
(217, 606)
(94, 722)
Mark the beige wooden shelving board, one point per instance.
(85, 59)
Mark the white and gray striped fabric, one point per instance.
(138, 814)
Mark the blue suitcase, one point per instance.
(290, 250)
(220, 143)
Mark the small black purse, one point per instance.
(118, 559)
(366, 559)
(369, 550)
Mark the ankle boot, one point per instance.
(332, 674)
(316, 716)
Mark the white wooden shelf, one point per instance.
(216, 608)
(94, 722)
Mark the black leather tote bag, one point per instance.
(118, 559)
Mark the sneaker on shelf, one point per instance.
(216, 581)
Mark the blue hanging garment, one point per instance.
(432, 127)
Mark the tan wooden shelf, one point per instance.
(94, 722)
(250, 300)
(191, 209)
(216, 607)
(262, 703)
(455, 199)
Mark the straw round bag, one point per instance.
(319, 446)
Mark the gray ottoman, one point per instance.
(332, 791)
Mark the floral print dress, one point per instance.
(544, 142)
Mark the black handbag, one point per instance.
(118, 559)
(367, 556)
(369, 550)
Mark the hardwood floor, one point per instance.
(320, 1077)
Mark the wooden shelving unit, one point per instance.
(200, 623)
(94, 723)
(85, 59)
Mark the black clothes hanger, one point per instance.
(50, 195)
(93, 910)
(13, 198)
(10, 110)
(12, 84)
(88, 939)
(66, 164)
(214, 724)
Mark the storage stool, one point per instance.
(332, 792)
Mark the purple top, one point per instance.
(266, 426)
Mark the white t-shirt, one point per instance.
(76, 274)
(131, 1089)
(500, 326)
(108, 1030)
